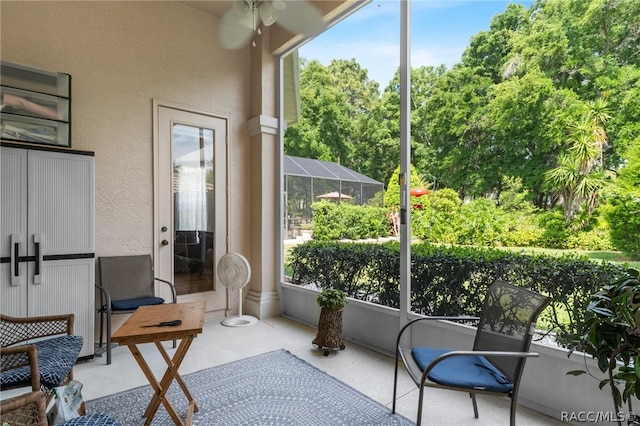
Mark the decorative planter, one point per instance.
(329, 335)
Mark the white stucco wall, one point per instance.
(121, 56)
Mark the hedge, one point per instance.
(453, 280)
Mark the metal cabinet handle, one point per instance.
(37, 240)
(15, 259)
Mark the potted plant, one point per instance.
(329, 337)
(611, 334)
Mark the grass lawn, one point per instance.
(596, 256)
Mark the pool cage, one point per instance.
(307, 181)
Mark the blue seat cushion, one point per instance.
(133, 304)
(56, 358)
(97, 419)
(469, 372)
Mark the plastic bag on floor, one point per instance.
(67, 403)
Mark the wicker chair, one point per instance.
(494, 366)
(37, 351)
(25, 410)
(30, 410)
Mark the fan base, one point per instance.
(239, 321)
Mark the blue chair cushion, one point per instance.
(133, 304)
(97, 419)
(469, 372)
(56, 358)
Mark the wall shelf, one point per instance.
(36, 105)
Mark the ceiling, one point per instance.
(327, 7)
(213, 8)
(331, 10)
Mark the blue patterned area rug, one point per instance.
(275, 388)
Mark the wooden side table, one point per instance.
(141, 328)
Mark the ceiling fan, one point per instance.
(246, 17)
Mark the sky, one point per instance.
(440, 32)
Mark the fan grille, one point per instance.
(234, 271)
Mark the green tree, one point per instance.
(629, 176)
(457, 131)
(530, 99)
(580, 175)
(527, 118)
(488, 50)
(623, 210)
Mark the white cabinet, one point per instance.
(47, 211)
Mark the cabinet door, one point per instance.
(61, 218)
(13, 231)
(67, 286)
(61, 203)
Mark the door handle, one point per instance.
(15, 261)
(165, 243)
(37, 240)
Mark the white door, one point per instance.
(190, 203)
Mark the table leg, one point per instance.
(151, 378)
(178, 377)
(162, 387)
(165, 382)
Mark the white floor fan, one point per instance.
(234, 272)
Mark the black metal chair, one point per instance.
(125, 283)
(495, 364)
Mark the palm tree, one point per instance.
(580, 174)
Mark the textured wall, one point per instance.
(121, 55)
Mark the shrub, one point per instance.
(595, 239)
(521, 230)
(452, 280)
(339, 221)
(555, 231)
(481, 223)
(623, 215)
(325, 217)
(443, 218)
(437, 221)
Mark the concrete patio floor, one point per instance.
(369, 372)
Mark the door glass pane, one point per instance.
(193, 208)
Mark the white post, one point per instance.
(405, 161)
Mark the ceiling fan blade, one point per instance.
(235, 31)
(301, 17)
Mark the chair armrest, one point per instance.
(28, 409)
(173, 289)
(104, 293)
(15, 330)
(19, 356)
